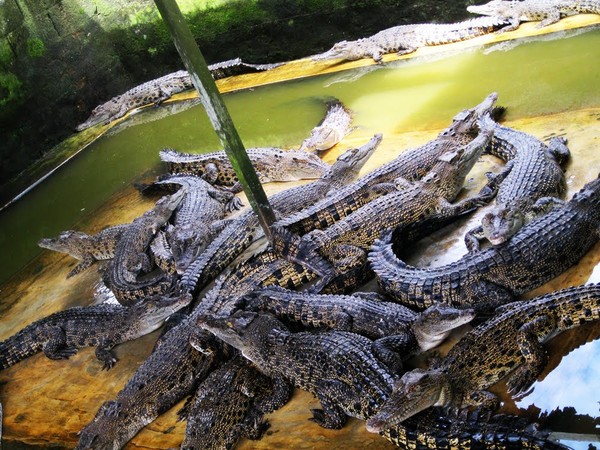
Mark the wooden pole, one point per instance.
(217, 111)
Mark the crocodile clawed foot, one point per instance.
(109, 363)
(320, 418)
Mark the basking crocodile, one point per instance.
(330, 131)
(62, 334)
(508, 345)
(270, 163)
(182, 358)
(230, 403)
(547, 11)
(411, 165)
(405, 39)
(532, 182)
(160, 89)
(238, 234)
(540, 251)
(131, 258)
(338, 367)
(392, 326)
(87, 248)
(346, 242)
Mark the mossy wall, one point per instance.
(60, 58)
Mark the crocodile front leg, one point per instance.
(85, 263)
(473, 238)
(331, 416)
(513, 24)
(55, 346)
(553, 17)
(390, 350)
(105, 355)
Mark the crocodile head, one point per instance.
(414, 392)
(500, 224)
(71, 242)
(434, 324)
(349, 163)
(499, 8)
(231, 329)
(295, 165)
(466, 121)
(102, 113)
(152, 312)
(108, 431)
(187, 242)
(349, 50)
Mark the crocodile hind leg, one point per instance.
(390, 350)
(534, 353)
(55, 346)
(331, 416)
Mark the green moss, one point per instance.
(11, 90)
(6, 54)
(35, 47)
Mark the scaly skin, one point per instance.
(405, 39)
(330, 131)
(539, 252)
(412, 165)
(533, 178)
(62, 334)
(183, 357)
(87, 248)
(270, 163)
(336, 366)
(547, 11)
(510, 345)
(238, 234)
(131, 258)
(229, 404)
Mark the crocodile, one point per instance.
(336, 366)
(404, 39)
(131, 258)
(411, 164)
(238, 234)
(346, 242)
(509, 346)
(546, 11)
(230, 403)
(270, 163)
(182, 358)
(532, 182)
(394, 327)
(62, 334)
(540, 251)
(87, 248)
(198, 219)
(330, 131)
(160, 89)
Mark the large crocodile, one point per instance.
(429, 200)
(338, 367)
(238, 235)
(547, 11)
(331, 130)
(270, 163)
(62, 334)
(405, 39)
(230, 403)
(182, 358)
(85, 247)
(393, 327)
(160, 89)
(540, 251)
(411, 165)
(510, 345)
(131, 257)
(532, 180)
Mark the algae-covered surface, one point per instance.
(47, 402)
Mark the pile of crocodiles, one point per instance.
(242, 328)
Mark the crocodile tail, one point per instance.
(18, 347)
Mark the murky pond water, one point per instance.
(532, 79)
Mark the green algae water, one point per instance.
(533, 78)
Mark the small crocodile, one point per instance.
(392, 326)
(160, 89)
(540, 251)
(345, 243)
(405, 39)
(532, 181)
(230, 403)
(336, 366)
(412, 164)
(330, 131)
(87, 248)
(131, 257)
(182, 358)
(547, 11)
(270, 163)
(238, 235)
(62, 334)
(508, 345)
